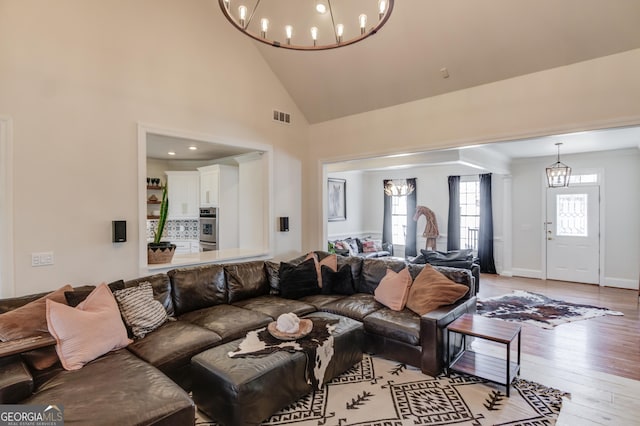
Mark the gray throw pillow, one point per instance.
(140, 310)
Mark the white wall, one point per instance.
(252, 200)
(287, 172)
(77, 77)
(6, 208)
(357, 213)
(621, 222)
(580, 96)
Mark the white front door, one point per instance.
(573, 234)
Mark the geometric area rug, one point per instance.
(533, 308)
(378, 391)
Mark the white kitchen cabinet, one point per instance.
(184, 195)
(219, 188)
(209, 186)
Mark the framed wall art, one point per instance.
(337, 199)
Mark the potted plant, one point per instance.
(161, 251)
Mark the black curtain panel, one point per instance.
(453, 227)
(387, 233)
(485, 233)
(410, 243)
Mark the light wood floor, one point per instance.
(596, 360)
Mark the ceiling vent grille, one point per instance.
(282, 117)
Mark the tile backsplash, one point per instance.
(175, 229)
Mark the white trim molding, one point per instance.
(625, 283)
(7, 285)
(527, 273)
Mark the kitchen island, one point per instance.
(214, 256)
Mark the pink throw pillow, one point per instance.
(330, 261)
(432, 289)
(393, 290)
(88, 331)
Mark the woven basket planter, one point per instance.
(160, 253)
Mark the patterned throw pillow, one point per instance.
(140, 310)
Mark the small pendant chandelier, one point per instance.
(307, 24)
(558, 173)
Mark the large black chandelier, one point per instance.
(307, 24)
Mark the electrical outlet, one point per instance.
(42, 259)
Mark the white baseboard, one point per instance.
(621, 283)
(505, 273)
(526, 273)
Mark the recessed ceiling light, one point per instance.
(171, 153)
(193, 148)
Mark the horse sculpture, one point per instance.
(431, 229)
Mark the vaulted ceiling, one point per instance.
(477, 41)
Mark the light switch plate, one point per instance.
(42, 259)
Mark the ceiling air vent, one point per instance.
(282, 117)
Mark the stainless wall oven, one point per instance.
(208, 228)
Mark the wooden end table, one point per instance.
(488, 367)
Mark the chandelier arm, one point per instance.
(333, 22)
(253, 12)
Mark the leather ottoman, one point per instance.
(246, 391)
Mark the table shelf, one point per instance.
(485, 366)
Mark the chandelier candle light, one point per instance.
(306, 24)
(558, 173)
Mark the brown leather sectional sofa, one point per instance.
(215, 304)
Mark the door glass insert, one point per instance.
(571, 215)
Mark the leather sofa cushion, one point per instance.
(197, 288)
(161, 289)
(397, 325)
(116, 389)
(245, 280)
(16, 383)
(356, 306)
(275, 306)
(319, 300)
(273, 275)
(373, 270)
(172, 345)
(228, 321)
(444, 315)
